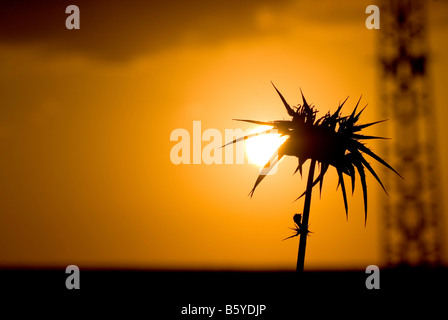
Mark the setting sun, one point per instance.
(259, 149)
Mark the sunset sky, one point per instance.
(86, 117)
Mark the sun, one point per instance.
(259, 149)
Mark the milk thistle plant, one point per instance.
(331, 140)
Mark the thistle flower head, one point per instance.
(332, 140)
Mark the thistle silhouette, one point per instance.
(332, 140)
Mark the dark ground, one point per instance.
(162, 294)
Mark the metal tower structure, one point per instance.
(412, 215)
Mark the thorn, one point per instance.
(288, 108)
(343, 102)
(304, 100)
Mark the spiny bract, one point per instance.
(330, 140)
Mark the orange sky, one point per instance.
(86, 117)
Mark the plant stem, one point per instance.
(306, 215)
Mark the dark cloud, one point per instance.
(123, 29)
